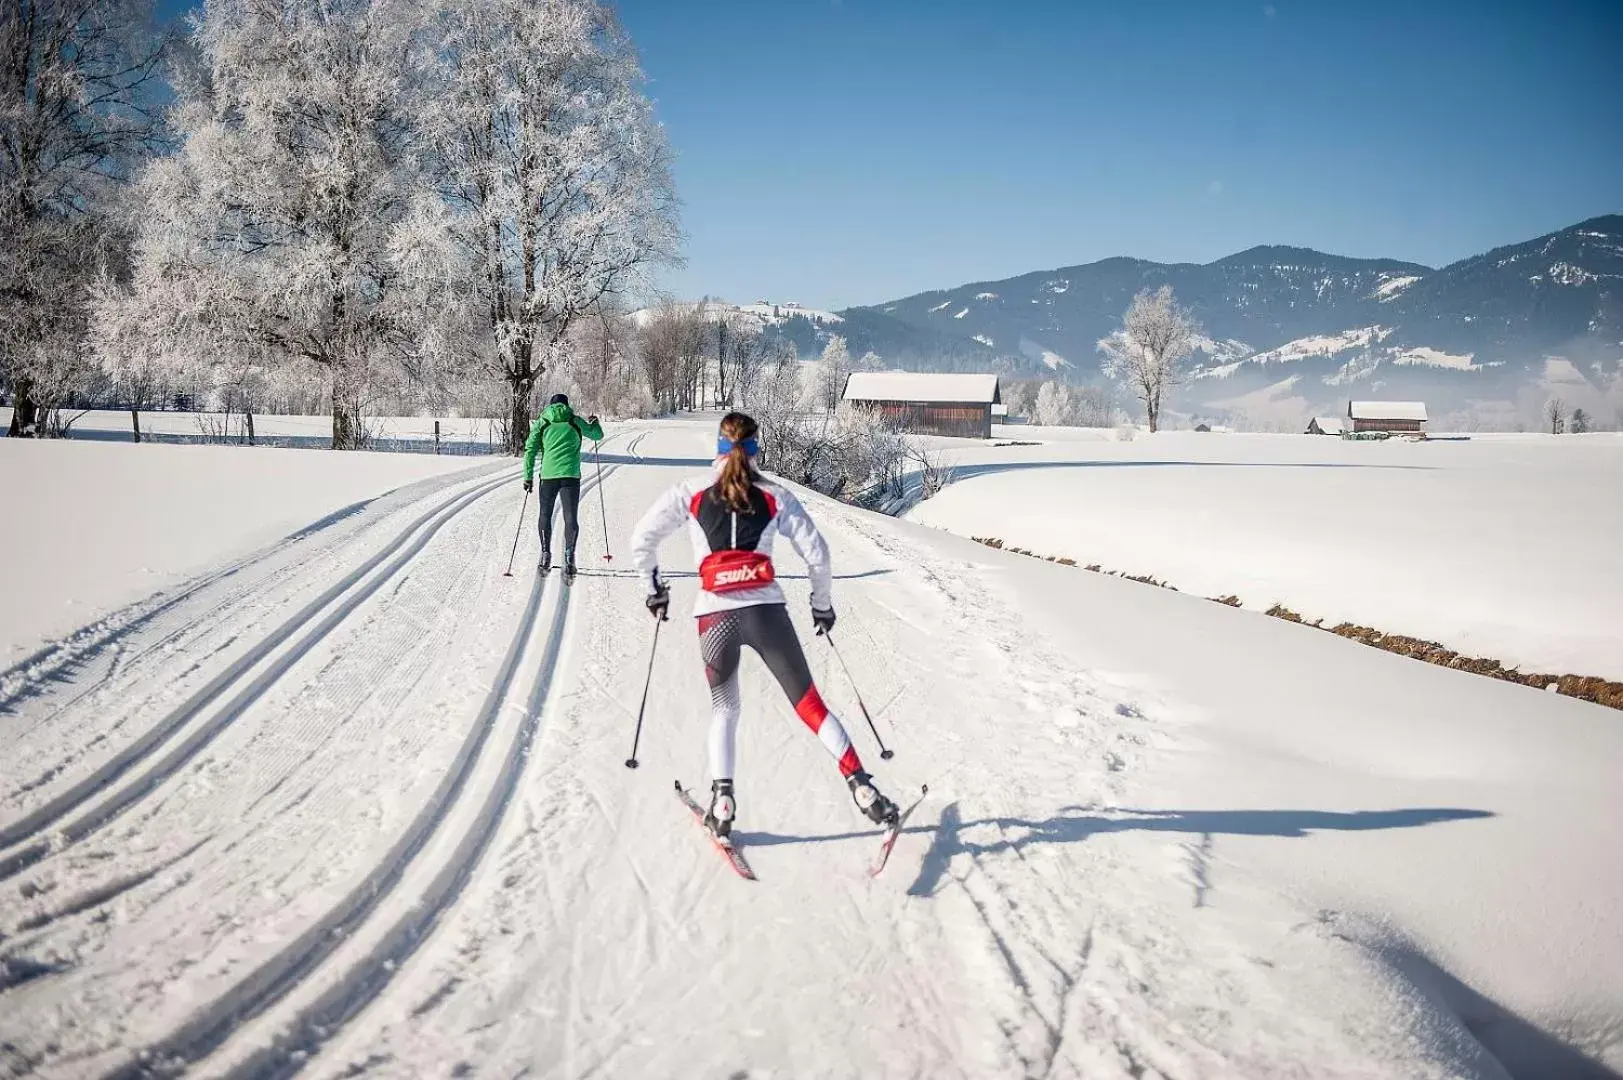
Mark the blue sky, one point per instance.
(840, 152)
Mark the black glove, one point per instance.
(823, 620)
(659, 601)
(592, 419)
(529, 485)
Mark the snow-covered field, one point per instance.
(361, 809)
(106, 525)
(1499, 546)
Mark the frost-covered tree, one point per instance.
(1020, 396)
(740, 352)
(1580, 422)
(273, 230)
(555, 177)
(600, 369)
(674, 344)
(773, 396)
(1156, 336)
(1057, 404)
(1054, 406)
(834, 367)
(79, 82)
(1555, 412)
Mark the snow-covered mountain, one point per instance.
(1293, 329)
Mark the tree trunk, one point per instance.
(346, 409)
(722, 400)
(521, 378)
(249, 417)
(24, 414)
(518, 430)
(135, 423)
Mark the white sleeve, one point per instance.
(797, 525)
(662, 519)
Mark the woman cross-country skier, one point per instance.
(557, 435)
(733, 516)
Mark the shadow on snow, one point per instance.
(1075, 824)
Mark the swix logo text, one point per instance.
(735, 577)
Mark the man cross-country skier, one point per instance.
(732, 517)
(557, 435)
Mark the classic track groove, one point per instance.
(272, 980)
(357, 587)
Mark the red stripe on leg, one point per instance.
(706, 622)
(811, 709)
(850, 764)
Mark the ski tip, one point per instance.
(924, 789)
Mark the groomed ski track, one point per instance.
(459, 815)
(414, 850)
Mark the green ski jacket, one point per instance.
(557, 435)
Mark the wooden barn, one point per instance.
(1397, 417)
(929, 403)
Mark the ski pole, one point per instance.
(525, 505)
(631, 762)
(884, 752)
(597, 452)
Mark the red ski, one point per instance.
(734, 857)
(895, 831)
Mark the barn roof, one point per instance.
(922, 386)
(1331, 425)
(1387, 410)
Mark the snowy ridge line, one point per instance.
(278, 976)
(42, 818)
(79, 647)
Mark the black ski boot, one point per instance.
(719, 818)
(544, 567)
(569, 568)
(880, 810)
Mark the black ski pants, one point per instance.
(564, 489)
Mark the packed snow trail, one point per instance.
(409, 633)
(332, 606)
(1025, 926)
(1113, 875)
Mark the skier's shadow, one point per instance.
(1074, 824)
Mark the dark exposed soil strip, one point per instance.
(1584, 687)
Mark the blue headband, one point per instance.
(724, 445)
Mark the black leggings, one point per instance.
(565, 489)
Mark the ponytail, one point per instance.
(738, 476)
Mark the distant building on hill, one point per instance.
(1397, 417)
(929, 403)
(1326, 425)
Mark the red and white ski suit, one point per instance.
(740, 603)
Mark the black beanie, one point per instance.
(559, 399)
